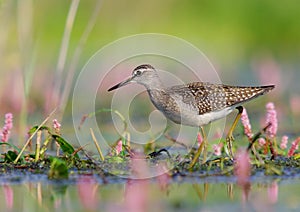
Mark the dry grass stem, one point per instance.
(96, 144)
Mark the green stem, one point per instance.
(38, 145)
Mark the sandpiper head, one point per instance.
(142, 74)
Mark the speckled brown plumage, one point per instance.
(209, 97)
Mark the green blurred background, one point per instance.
(249, 42)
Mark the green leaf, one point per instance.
(33, 129)
(11, 145)
(65, 146)
(58, 169)
(10, 156)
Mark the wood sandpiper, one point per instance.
(197, 103)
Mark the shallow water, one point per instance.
(88, 193)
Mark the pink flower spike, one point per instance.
(294, 147)
(271, 118)
(284, 141)
(8, 125)
(9, 120)
(56, 124)
(270, 106)
(118, 147)
(246, 124)
(261, 142)
(217, 149)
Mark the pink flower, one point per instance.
(294, 147)
(246, 124)
(118, 147)
(56, 126)
(271, 118)
(199, 139)
(261, 142)
(273, 193)
(8, 125)
(284, 141)
(242, 167)
(217, 148)
(9, 120)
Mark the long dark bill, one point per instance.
(125, 82)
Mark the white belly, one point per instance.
(190, 118)
(204, 119)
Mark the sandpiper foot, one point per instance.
(229, 137)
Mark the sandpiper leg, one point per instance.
(202, 146)
(205, 144)
(229, 137)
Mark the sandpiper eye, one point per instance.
(138, 73)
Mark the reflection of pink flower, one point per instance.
(136, 197)
(8, 124)
(87, 191)
(242, 167)
(271, 118)
(246, 124)
(9, 196)
(139, 167)
(163, 177)
(284, 141)
(273, 193)
(217, 148)
(294, 147)
(118, 147)
(136, 191)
